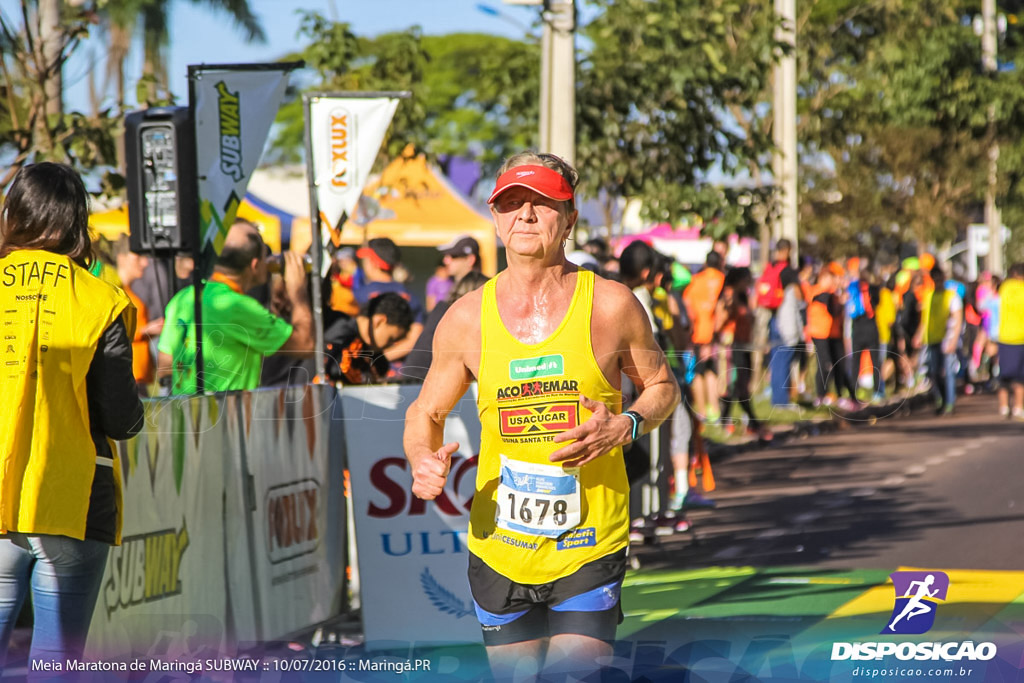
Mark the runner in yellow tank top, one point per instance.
(548, 527)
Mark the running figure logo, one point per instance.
(917, 596)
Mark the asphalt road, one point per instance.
(907, 491)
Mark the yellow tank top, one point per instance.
(935, 315)
(532, 520)
(1011, 320)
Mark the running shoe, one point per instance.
(696, 500)
(1018, 415)
(848, 404)
(1004, 411)
(677, 502)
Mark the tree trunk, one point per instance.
(50, 43)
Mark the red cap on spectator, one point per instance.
(540, 179)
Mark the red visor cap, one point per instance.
(540, 179)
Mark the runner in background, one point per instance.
(939, 336)
(824, 324)
(1011, 343)
(734, 325)
(789, 318)
(130, 267)
(701, 299)
(862, 296)
(768, 292)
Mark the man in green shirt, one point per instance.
(238, 332)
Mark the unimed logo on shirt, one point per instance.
(532, 368)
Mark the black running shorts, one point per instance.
(587, 602)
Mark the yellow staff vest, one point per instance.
(54, 313)
(528, 393)
(935, 315)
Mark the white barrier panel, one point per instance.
(412, 553)
(163, 591)
(294, 554)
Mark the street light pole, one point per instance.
(558, 80)
(989, 41)
(557, 76)
(784, 166)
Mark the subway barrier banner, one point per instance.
(296, 556)
(234, 109)
(346, 133)
(163, 589)
(412, 553)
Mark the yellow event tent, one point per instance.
(417, 208)
(275, 225)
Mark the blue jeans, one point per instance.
(779, 367)
(942, 373)
(64, 575)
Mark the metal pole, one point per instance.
(558, 90)
(989, 43)
(784, 165)
(544, 140)
(316, 244)
(197, 248)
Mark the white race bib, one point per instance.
(540, 500)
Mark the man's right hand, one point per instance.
(294, 276)
(431, 472)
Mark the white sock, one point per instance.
(682, 482)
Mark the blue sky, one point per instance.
(199, 35)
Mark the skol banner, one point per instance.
(234, 109)
(346, 134)
(412, 553)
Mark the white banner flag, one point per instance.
(346, 134)
(234, 111)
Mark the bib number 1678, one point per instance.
(537, 499)
(524, 508)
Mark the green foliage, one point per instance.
(472, 94)
(27, 133)
(672, 91)
(894, 122)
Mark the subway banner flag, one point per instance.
(346, 133)
(234, 109)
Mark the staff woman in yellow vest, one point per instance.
(67, 386)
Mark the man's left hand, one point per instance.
(595, 437)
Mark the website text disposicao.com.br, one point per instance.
(870, 672)
(948, 660)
